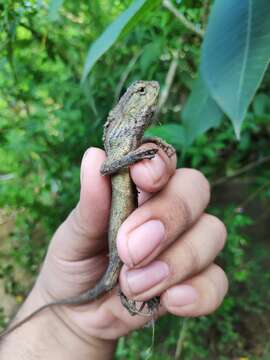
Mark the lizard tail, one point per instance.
(106, 283)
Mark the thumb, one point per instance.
(84, 232)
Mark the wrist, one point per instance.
(51, 337)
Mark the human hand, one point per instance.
(168, 246)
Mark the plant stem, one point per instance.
(125, 75)
(181, 338)
(241, 171)
(169, 80)
(184, 21)
(254, 194)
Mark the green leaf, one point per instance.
(150, 55)
(54, 7)
(201, 112)
(121, 26)
(236, 53)
(261, 105)
(172, 133)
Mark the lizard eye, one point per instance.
(141, 91)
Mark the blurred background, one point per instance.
(48, 118)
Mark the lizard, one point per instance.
(122, 138)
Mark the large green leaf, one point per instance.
(201, 112)
(122, 25)
(172, 133)
(236, 53)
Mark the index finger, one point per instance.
(152, 175)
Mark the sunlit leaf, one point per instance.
(122, 25)
(200, 112)
(236, 53)
(172, 133)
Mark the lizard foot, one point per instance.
(162, 144)
(145, 308)
(112, 166)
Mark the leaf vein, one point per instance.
(246, 53)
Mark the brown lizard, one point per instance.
(123, 134)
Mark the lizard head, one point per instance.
(132, 115)
(140, 100)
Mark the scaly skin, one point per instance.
(123, 134)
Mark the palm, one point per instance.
(180, 267)
(62, 278)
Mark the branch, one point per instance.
(6, 177)
(181, 339)
(242, 171)
(168, 81)
(253, 195)
(184, 21)
(125, 75)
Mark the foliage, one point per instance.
(236, 54)
(123, 24)
(47, 120)
(199, 106)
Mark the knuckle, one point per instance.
(198, 181)
(76, 223)
(192, 261)
(213, 299)
(198, 177)
(218, 227)
(204, 186)
(180, 209)
(223, 280)
(217, 287)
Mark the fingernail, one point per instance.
(142, 241)
(181, 295)
(140, 280)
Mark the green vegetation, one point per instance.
(48, 117)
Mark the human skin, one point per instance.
(168, 246)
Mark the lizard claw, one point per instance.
(145, 308)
